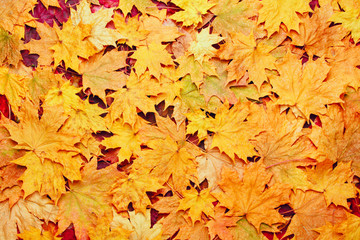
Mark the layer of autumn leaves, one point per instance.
(180, 119)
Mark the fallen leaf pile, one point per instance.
(179, 119)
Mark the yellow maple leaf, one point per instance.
(316, 35)
(166, 159)
(141, 5)
(10, 46)
(273, 13)
(42, 47)
(99, 35)
(132, 189)
(86, 117)
(139, 224)
(15, 14)
(124, 137)
(41, 81)
(197, 70)
(249, 197)
(344, 62)
(128, 100)
(37, 234)
(349, 18)
(193, 9)
(233, 16)
(44, 176)
(248, 56)
(91, 194)
(159, 30)
(99, 72)
(332, 181)
(12, 86)
(26, 214)
(72, 43)
(64, 96)
(131, 30)
(202, 46)
(232, 132)
(310, 213)
(151, 57)
(304, 89)
(197, 203)
(329, 231)
(350, 227)
(27, 133)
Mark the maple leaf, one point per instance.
(197, 203)
(231, 132)
(217, 86)
(169, 158)
(349, 18)
(35, 233)
(328, 231)
(337, 143)
(202, 46)
(44, 176)
(212, 162)
(332, 182)
(42, 47)
(141, 5)
(131, 30)
(350, 227)
(64, 96)
(140, 226)
(132, 189)
(72, 43)
(128, 100)
(244, 230)
(165, 128)
(192, 98)
(199, 123)
(159, 31)
(112, 232)
(283, 140)
(10, 176)
(50, 141)
(344, 64)
(166, 159)
(249, 198)
(40, 82)
(273, 13)
(26, 213)
(316, 35)
(99, 72)
(192, 10)
(220, 224)
(248, 56)
(124, 137)
(15, 15)
(310, 213)
(10, 46)
(197, 232)
(175, 220)
(85, 117)
(297, 86)
(151, 57)
(12, 86)
(86, 200)
(99, 35)
(197, 70)
(233, 16)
